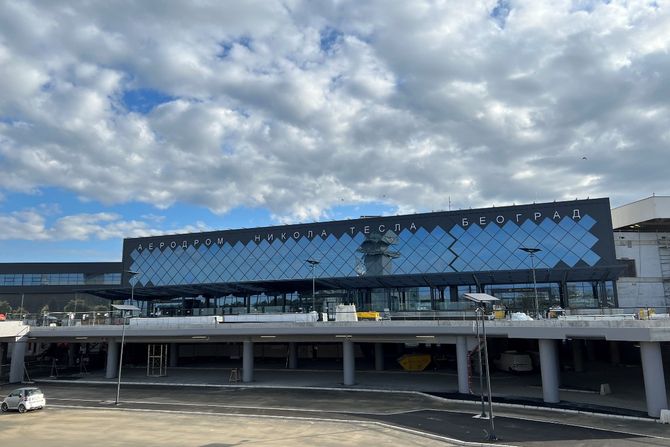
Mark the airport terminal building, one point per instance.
(398, 264)
(412, 269)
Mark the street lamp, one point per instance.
(480, 299)
(123, 308)
(313, 262)
(531, 252)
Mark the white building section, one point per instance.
(642, 237)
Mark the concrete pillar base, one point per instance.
(112, 360)
(550, 371)
(654, 378)
(247, 361)
(348, 363)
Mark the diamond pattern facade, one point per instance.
(458, 249)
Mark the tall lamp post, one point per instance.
(480, 299)
(123, 308)
(313, 262)
(531, 252)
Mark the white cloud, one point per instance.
(410, 103)
(33, 225)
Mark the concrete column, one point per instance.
(247, 361)
(112, 359)
(348, 362)
(293, 355)
(615, 356)
(549, 369)
(173, 355)
(578, 355)
(462, 364)
(72, 351)
(2, 357)
(17, 366)
(654, 378)
(379, 357)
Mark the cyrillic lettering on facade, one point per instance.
(382, 228)
(271, 237)
(282, 236)
(465, 222)
(500, 219)
(517, 217)
(184, 245)
(208, 242)
(324, 234)
(173, 245)
(482, 221)
(219, 241)
(366, 229)
(412, 226)
(556, 215)
(139, 247)
(161, 245)
(397, 228)
(576, 215)
(352, 229)
(296, 235)
(257, 238)
(536, 215)
(151, 246)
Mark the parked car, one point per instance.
(24, 399)
(514, 361)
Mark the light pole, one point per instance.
(123, 308)
(313, 262)
(531, 252)
(480, 299)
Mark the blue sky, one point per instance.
(130, 122)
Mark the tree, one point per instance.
(5, 308)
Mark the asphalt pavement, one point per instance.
(423, 415)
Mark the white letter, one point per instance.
(208, 242)
(352, 229)
(536, 215)
(324, 234)
(282, 236)
(482, 221)
(412, 227)
(257, 238)
(271, 237)
(184, 245)
(397, 228)
(161, 245)
(296, 235)
(151, 246)
(465, 222)
(500, 219)
(382, 228)
(139, 247)
(517, 217)
(556, 215)
(173, 244)
(196, 242)
(575, 214)
(366, 229)
(219, 241)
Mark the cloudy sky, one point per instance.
(129, 118)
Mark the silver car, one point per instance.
(24, 399)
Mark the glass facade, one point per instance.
(59, 279)
(408, 263)
(564, 243)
